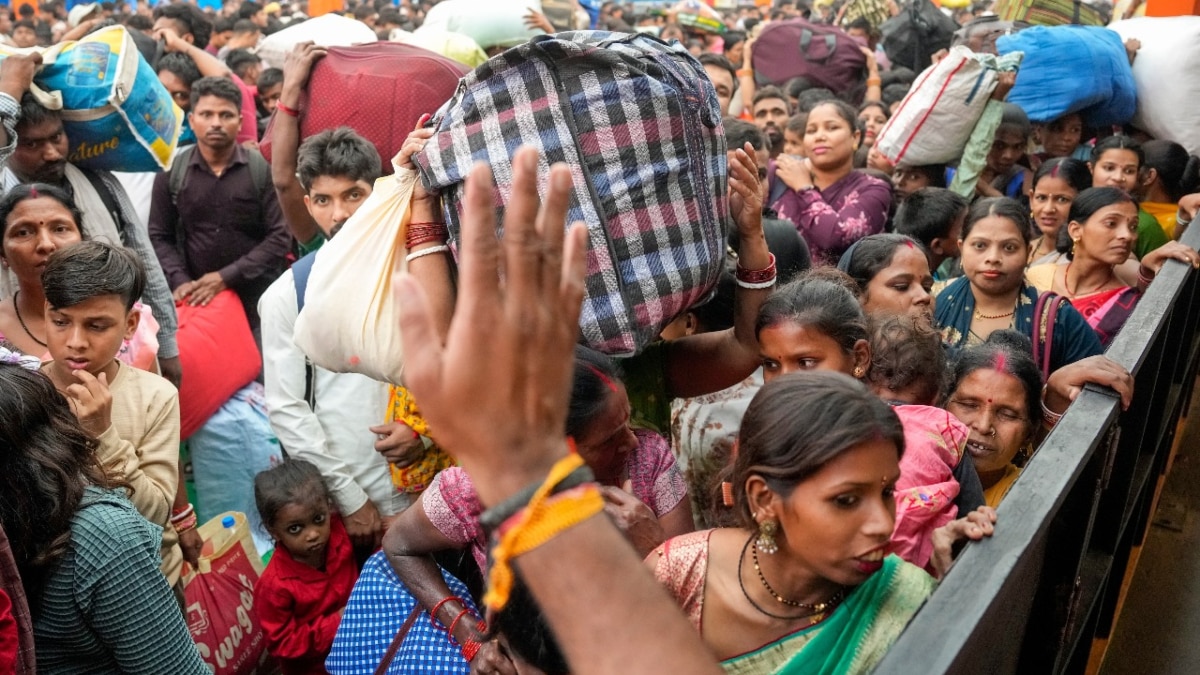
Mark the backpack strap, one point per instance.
(175, 182)
(260, 173)
(300, 271)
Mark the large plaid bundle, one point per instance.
(638, 123)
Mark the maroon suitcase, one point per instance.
(380, 90)
(824, 55)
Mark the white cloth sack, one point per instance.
(1167, 74)
(450, 45)
(327, 30)
(490, 23)
(350, 321)
(935, 119)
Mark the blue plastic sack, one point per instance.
(232, 447)
(1069, 69)
(116, 113)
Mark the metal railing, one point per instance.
(1033, 597)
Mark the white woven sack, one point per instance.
(327, 30)
(936, 118)
(1167, 74)
(350, 321)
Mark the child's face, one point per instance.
(270, 96)
(793, 143)
(88, 336)
(303, 529)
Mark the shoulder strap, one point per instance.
(300, 271)
(110, 202)
(260, 173)
(1045, 314)
(397, 641)
(179, 172)
(175, 182)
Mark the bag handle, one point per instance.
(806, 37)
(1051, 319)
(390, 654)
(1045, 314)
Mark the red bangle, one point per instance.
(757, 276)
(423, 233)
(433, 612)
(450, 630)
(471, 647)
(290, 112)
(186, 524)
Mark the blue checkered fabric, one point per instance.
(639, 125)
(378, 607)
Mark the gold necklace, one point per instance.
(989, 317)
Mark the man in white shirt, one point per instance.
(334, 420)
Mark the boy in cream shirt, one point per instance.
(91, 289)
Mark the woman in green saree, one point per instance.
(805, 584)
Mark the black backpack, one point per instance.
(920, 30)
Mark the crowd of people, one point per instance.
(775, 485)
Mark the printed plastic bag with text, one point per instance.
(349, 323)
(116, 113)
(219, 600)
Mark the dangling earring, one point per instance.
(766, 537)
(1074, 244)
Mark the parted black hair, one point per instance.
(928, 214)
(819, 301)
(295, 480)
(192, 19)
(798, 423)
(337, 152)
(92, 269)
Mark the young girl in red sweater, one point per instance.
(303, 592)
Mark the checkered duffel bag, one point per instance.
(638, 122)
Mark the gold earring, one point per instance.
(766, 537)
(1074, 244)
(859, 372)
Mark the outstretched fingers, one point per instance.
(525, 246)
(479, 255)
(422, 343)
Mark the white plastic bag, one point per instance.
(350, 321)
(935, 119)
(490, 23)
(327, 30)
(1167, 74)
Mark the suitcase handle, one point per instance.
(806, 37)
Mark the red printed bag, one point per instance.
(219, 600)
